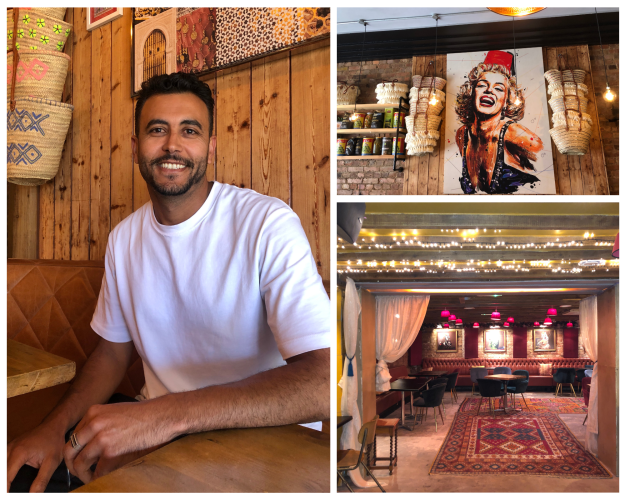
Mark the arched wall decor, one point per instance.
(165, 23)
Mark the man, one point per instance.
(216, 288)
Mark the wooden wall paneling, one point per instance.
(596, 156)
(560, 162)
(63, 179)
(211, 81)
(81, 155)
(46, 221)
(234, 126)
(437, 160)
(100, 141)
(575, 171)
(121, 121)
(271, 126)
(411, 165)
(310, 136)
(25, 211)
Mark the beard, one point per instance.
(197, 166)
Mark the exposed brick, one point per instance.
(343, 191)
(371, 180)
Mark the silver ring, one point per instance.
(74, 442)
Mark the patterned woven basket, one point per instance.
(419, 150)
(53, 12)
(572, 141)
(426, 93)
(36, 132)
(420, 81)
(40, 73)
(419, 123)
(559, 104)
(425, 107)
(346, 94)
(572, 118)
(568, 75)
(37, 31)
(570, 88)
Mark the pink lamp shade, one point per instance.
(495, 316)
(506, 324)
(446, 325)
(452, 318)
(548, 321)
(536, 323)
(569, 325)
(445, 313)
(476, 325)
(552, 311)
(458, 322)
(510, 319)
(615, 247)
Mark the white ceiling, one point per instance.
(450, 16)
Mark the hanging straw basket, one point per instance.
(423, 82)
(40, 73)
(571, 141)
(560, 104)
(36, 132)
(568, 75)
(425, 107)
(37, 31)
(426, 93)
(53, 12)
(572, 118)
(570, 88)
(346, 94)
(433, 122)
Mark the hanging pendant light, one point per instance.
(608, 96)
(552, 311)
(569, 325)
(548, 321)
(452, 318)
(445, 313)
(615, 247)
(515, 11)
(476, 325)
(353, 117)
(506, 324)
(536, 323)
(446, 325)
(434, 101)
(458, 322)
(495, 316)
(510, 319)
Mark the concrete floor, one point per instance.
(418, 448)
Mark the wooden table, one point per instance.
(411, 385)
(505, 378)
(30, 369)
(341, 420)
(290, 458)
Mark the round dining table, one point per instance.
(505, 378)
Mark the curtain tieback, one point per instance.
(350, 369)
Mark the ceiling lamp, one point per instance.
(434, 101)
(476, 325)
(452, 318)
(536, 323)
(506, 324)
(608, 96)
(552, 311)
(446, 325)
(458, 322)
(615, 247)
(510, 319)
(515, 11)
(569, 325)
(495, 316)
(548, 321)
(445, 313)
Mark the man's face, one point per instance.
(491, 92)
(172, 148)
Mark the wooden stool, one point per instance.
(386, 427)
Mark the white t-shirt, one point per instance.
(230, 292)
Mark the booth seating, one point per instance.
(530, 364)
(384, 400)
(49, 306)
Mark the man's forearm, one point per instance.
(296, 393)
(98, 379)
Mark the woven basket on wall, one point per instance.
(572, 119)
(53, 12)
(425, 107)
(570, 88)
(37, 31)
(421, 81)
(36, 132)
(568, 75)
(346, 94)
(571, 141)
(40, 73)
(559, 104)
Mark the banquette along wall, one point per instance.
(272, 122)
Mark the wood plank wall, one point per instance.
(573, 174)
(273, 135)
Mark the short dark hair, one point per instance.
(176, 83)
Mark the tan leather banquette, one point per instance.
(529, 364)
(49, 306)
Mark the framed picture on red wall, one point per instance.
(545, 340)
(446, 340)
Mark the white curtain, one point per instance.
(398, 320)
(588, 329)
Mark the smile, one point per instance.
(487, 101)
(172, 166)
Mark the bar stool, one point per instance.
(386, 427)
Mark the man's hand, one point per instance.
(42, 448)
(113, 435)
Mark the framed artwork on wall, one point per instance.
(495, 341)
(446, 340)
(99, 16)
(545, 340)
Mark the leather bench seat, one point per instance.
(530, 364)
(50, 304)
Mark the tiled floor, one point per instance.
(417, 450)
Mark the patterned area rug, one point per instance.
(521, 444)
(536, 405)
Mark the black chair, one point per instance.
(432, 398)
(564, 376)
(452, 379)
(580, 374)
(519, 386)
(437, 381)
(477, 372)
(351, 459)
(489, 388)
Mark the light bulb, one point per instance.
(353, 117)
(433, 101)
(608, 96)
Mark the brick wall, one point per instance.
(429, 346)
(609, 130)
(373, 177)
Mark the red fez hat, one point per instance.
(502, 58)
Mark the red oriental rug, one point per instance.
(521, 444)
(536, 405)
